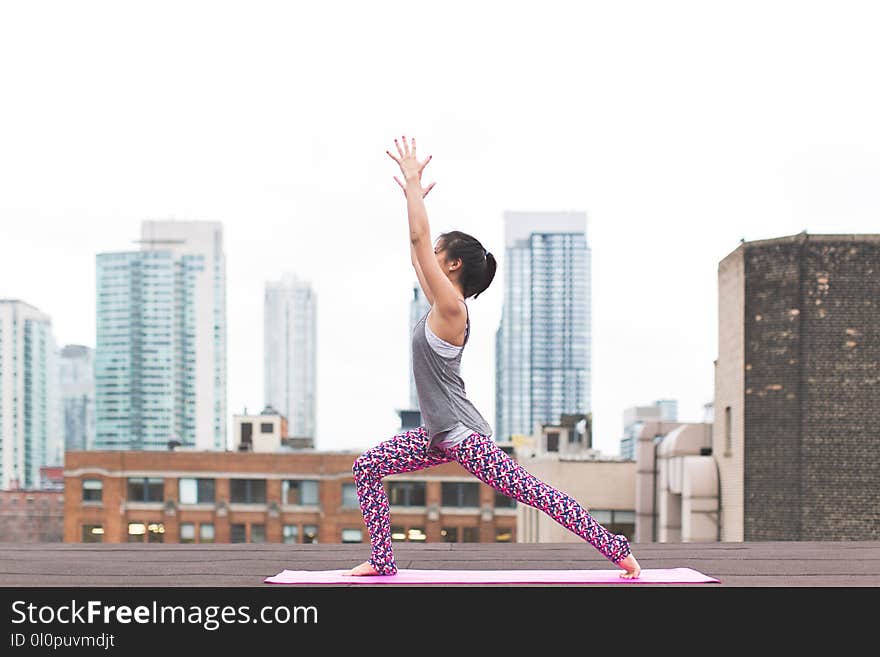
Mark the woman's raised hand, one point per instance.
(409, 165)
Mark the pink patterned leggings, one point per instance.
(480, 456)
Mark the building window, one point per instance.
(206, 532)
(470, 535)
(415, 534)
(728, 432)
(92, 490)
(156, 532)
(196, 491)
(145, 489)
(503, 535)
(552, 441)
(266, 427)
(289, 533)
(601, 516)
(457, 493)
(352, 536)
(504, 502)
(303, 492)
(237, 533)
(187, 532)
(258, 533)
(247, 430)
(349, 497)
(136, 532)
(406, 493)
(615, 521)
(449, 534)
(247, 491)
(310, 533)
(92, 534)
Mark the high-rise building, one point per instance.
(797, 389)
(77, 385)
(203, 294)
(418, 308)
(290, 352)
(543, 364)
(160, 364)
(30, 431)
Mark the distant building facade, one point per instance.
(295, 496)
(30, 409)
(543, 343)
(571, 436)
(77, 372)
(290, 352)
(418, 308)
(634, 418)
(31, 516)
(266, 432)
(160, 362)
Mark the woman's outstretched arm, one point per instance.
(426, 290)
(445, 296)
(412, 190)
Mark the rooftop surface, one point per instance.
(760, 564)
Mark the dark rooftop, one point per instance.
(763, 564)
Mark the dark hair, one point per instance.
(477, 264)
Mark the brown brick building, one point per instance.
(797, 394)
(31, 516)
(295, 497)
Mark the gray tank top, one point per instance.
(442, 399)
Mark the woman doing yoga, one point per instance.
(455, 268)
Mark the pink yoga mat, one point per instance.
(404, 576)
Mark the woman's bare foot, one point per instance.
(364, 569)
(632, 568)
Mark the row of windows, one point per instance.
(203, 532)
(293, 491)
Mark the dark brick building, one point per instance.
(798, 389)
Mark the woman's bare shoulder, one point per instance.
(449, 326)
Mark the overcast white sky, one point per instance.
(678, 127)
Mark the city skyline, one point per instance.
(673, 136)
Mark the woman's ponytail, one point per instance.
(491, 266)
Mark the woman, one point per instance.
(456, 268)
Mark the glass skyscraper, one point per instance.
(543, 343)
(77, 372)
(290, 353)
(30, 431)
(160, 364)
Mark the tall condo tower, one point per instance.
(543, 343)
(290, 353)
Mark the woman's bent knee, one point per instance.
(363, 466)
